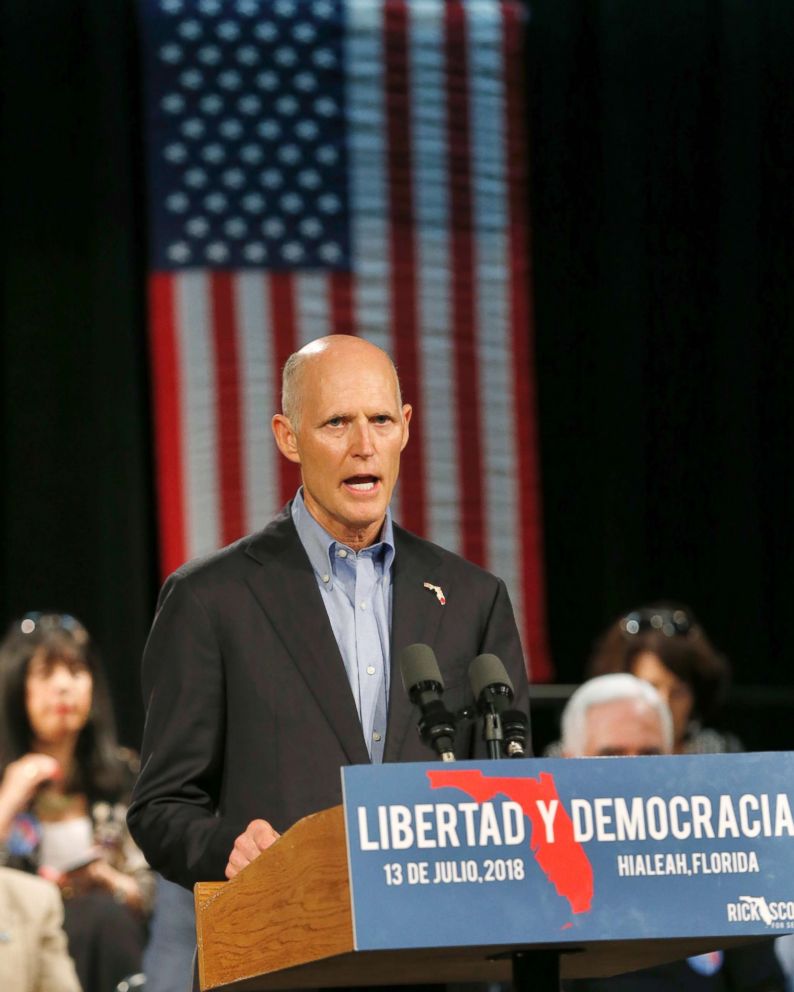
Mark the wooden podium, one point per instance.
(285, 922)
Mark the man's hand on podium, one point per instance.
(257, 837)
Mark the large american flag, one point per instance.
(352, 166)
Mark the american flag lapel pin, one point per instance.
(438, 591)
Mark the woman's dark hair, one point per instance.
(98, 770)
(670, 631)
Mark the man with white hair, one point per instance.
(616, 715)
(620, 715)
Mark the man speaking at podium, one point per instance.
(271, 663)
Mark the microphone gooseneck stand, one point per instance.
(424, 685)
(505, 734)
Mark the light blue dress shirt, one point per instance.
(356, 590)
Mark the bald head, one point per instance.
(345, 424)
(325, 353)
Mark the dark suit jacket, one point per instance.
(249, 709)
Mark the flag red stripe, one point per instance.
(227, 407)
(284, 322)
(168, 418)
(530, 499)
(403, 276)
(341, 294)
(464, 297)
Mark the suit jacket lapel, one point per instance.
(416, 614)
(286, 588)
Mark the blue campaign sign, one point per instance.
(567, 850)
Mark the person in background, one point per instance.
(168, 958)
(63, 793)
(616, 715)
(620, 715)
(784, 949)
(663, 644)
(34, 956)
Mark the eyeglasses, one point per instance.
(31, 622)
(671, 623)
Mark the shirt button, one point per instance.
(342, 553)
(363, 606)
(370, 669)
(376, 736)
(326, 578)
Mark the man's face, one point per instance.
(626, 727)
(349, 438)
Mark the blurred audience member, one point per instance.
(621, 715)
(34, 957)
(64, 787)
(168, 960)
(784, 948)
(664, 645)
(616, 715)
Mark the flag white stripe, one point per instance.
(198, 406)
(258, 392)
(491, 219)
(431, 199)
(312, 305)
(369, 204)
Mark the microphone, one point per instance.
(515, 727)
(424, 684)
(503, 728)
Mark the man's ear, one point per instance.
(407, 411)
(286, 438)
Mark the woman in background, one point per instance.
(664, 645)
(63, 793)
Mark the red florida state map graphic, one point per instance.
(563, 862)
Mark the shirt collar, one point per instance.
(321, 547)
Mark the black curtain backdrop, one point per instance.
(662, 149)
(77, 522)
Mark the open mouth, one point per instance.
(362, 483)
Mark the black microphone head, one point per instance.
(418, 664)
(485, 671)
